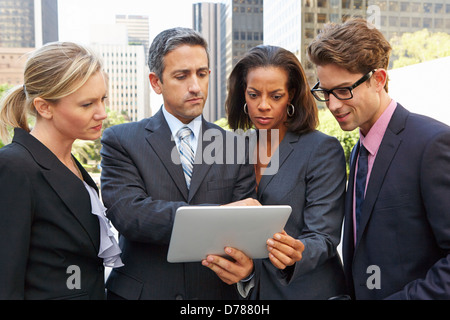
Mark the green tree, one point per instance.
(223, 123)
(3, 88)
(419, 46)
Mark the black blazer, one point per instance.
(46, 226)
(404, 235)
(142, 187)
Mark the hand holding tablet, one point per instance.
(200, 231)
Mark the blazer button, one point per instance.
(179, 297)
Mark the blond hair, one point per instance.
(52, 72)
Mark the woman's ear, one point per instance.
(43, 108)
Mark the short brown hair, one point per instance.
(356, 45)
(305, 118)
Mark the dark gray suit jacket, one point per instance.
(311, 179)
(405, 219)
(142, 188)
(46, 226)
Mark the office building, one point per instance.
(138, 29)
(12, 64)
(24, 25)
(28, 23)
(295, 23)
(209, 19)
(231, 28)
(245, 28)
(128, 84)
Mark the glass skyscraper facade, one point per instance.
(28, 23)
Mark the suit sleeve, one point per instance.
(324, 207)
(435, 186)
(245, 186)
(133, 212)
(15, 228)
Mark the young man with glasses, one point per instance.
(397, 218)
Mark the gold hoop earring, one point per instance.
(292, 111)
(245, 109)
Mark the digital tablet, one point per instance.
(202, 230)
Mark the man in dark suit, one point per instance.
(397, 218)
(145, 179)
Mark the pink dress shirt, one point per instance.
(372, 142)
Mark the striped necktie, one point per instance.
(186, 153)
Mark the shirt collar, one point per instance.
(372, 140)
(175, 124)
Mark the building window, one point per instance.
(321, 17)
(346, 4)
(393, 6)
(357, 4)
(309, 33)
(393, 21)
(416, 7)
(309, 17)
(404, 22)
(427, 7)
(322, 3)
(404, 6)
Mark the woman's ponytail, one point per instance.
(14, 111)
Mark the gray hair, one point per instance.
(169, 40)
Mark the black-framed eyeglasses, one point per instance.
(341, 93)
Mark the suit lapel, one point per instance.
(284, 150)
(160, 138)
(66, 185)
(388, 148)
(201, 168)
(73, 193)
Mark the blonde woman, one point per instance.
(54, 238)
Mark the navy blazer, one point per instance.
(46, 226)
(142, 187)
(404, 239)
(311, 179)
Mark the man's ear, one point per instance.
(44, 108)
(381, 78)
(155, 82)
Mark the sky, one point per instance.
(77, 16)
